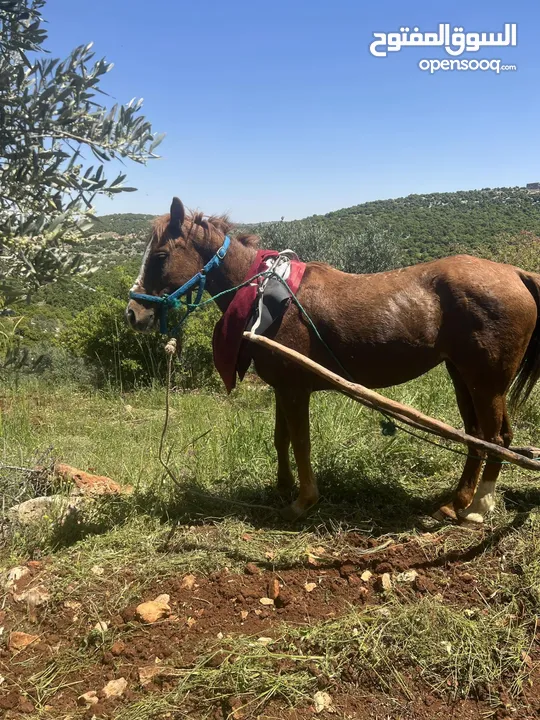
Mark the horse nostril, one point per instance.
(130, 317)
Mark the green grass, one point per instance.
(380, 485)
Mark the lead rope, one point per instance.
(170, 351)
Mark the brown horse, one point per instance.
(479, 317)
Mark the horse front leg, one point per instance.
(295, 406)
(282, 442)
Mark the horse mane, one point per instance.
(221, 223)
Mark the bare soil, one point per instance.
(226, 604)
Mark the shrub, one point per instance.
(196, 365)
(121, 357)
(372, 250)
(126, 359)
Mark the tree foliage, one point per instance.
(55, 138)
(422, 227)
(369, 251)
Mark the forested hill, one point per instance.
(424, 226)
(122, 223)
(438, 224)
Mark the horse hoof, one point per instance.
(291, 513)
(470, 519)
(445, 513)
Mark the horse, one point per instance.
(480, 318)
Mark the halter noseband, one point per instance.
(173, 300)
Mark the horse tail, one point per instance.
(529, 370)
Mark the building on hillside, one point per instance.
(533, 186)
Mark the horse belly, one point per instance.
(390, 364)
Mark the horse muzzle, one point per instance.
(141, 318)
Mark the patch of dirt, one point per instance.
(205, 608)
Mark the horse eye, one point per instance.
(161, 256)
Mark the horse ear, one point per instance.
(178, 215)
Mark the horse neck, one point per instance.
(232, 272)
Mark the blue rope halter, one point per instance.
(173, 300)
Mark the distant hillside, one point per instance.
(424, 226)
(123, 223)
(439, 224)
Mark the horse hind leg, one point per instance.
(495, 424)
(468, 482)
(282, 442)
(295, 406)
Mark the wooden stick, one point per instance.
(374, 400)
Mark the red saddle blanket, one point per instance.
(230, 357)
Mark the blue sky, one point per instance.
(278, 108)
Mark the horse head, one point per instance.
(180, 245)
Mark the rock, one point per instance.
(188, 582)
(244, 614)
(385, 582)
(38, 509)
(21, 640)
(14, 575)
(366, 576)
(466, 577)
(118, 648)
(266, 601)
(148, 673)
(273, 588)
(152, 611)
(310, 586)
(35, 596)
(100, 627)
(323, 701)
(252, 569)
(265, 641)
(88, 484)
(88, 699)
(408, 576)
(115, 688)
(165, 599)
(97, 570)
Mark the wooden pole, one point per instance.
(374, 400)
